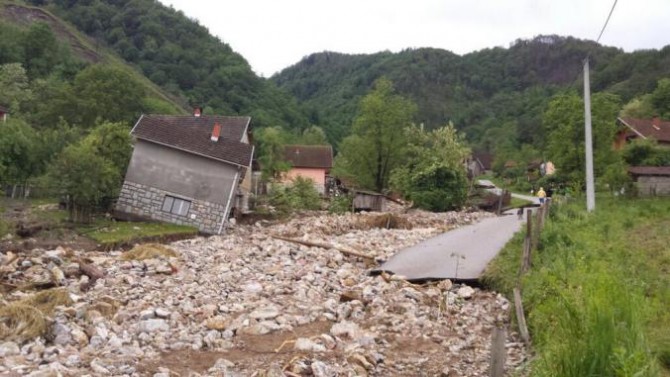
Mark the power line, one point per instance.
(607, 21)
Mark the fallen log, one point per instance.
(11, 258)
(345, 251)
(90, 270)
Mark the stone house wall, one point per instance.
(144, 201)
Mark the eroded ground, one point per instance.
(249, 304)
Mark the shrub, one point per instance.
(300, 195)
(438, 188)
(340, 204)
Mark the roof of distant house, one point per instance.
(309, 156)
(649, 170)
(646, 128)
(193, 134)
(3, 109)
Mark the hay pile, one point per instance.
(27, 318)
(384, 221)
(149, 251)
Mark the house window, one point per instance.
(175, 205)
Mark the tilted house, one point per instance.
(186, 169)
(631, 128)
(309, 161)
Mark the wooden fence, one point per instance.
(534, 224)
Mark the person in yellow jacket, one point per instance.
(541, 194)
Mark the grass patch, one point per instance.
(106, 232)
(597, 295)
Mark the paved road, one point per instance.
(462, 253)
(533, 199)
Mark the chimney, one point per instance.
(197, 111)
(216, 132)
(656, 123)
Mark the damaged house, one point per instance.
(187, 170)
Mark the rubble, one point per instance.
(250, 304)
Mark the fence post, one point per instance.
(527, 244)
(500, 201)
(498, 352)
(520, 316)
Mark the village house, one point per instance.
(187, 170)
(309, 161)
(631, 129)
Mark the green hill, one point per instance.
(477, 91)
(85, 49)
(182, 57)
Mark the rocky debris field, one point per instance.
(250, 304)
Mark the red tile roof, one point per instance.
(649, 170)
(645, 127)
(309, 156)
(193, 134)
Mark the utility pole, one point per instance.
(588, 139)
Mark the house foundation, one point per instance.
(138, 200)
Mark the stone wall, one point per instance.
(146, 202)
(653, 185)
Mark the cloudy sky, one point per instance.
(274, 34)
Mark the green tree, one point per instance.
(107, 93)
(86, 178)
(17, 152)
(660, 98)
(313, 136)
(639, 108)
(300, 194)
(41, 50)
(433, 173)
(376, 146)
(564, 122)
(438, 188)
(112, 141)
(15, 86)
(271, 142)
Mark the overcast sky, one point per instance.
(274, 34)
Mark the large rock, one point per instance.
(153, 325)
(264, 313)
(9, 349)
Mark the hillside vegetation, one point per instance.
(182, 57)
(50, 48)
(493, 94)
(598, 290)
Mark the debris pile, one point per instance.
(250, 303)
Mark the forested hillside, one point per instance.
(181, 56)
(493, 94)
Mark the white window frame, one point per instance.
(176, 206)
